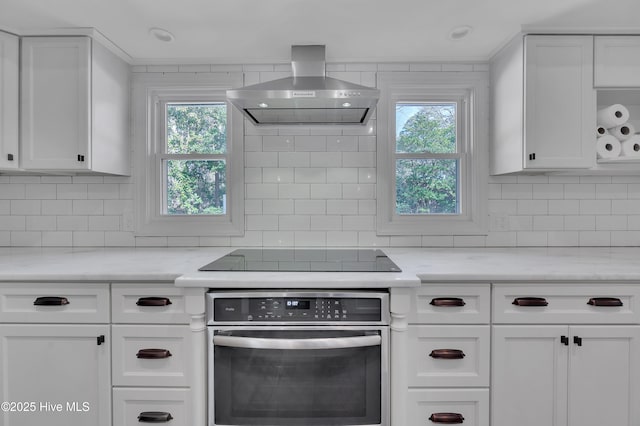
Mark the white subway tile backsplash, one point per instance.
(40, 191)
(359, 191)
(275, 207)
(312, 186)
(310, 207)
(326, 190)
(26, 207)
(293, 159)
(310, 175)
(326, 159)
(611, 191)
(342, 143)
(579, 223)
(342, 207)
(278, 175)
(311, 143)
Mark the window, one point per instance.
(190, 171)
(432, 154)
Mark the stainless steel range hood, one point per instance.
(309, 97)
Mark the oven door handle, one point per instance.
(297, 344)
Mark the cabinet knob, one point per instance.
(530, 301)
(51, 301)
(154, 417)
(605, 301)
(153, 301)
(447, 418)
(447, 301)
(447, 354)
(9, 157)
(153, 353)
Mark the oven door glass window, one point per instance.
(295, 377)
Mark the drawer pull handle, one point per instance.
(153, 353)
(153, 301)
(447, 354)
(154, 417)
(51, 301)
(530, 301)
(447, 418)
(447, 301)
(604, 301)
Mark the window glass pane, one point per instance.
(426, 127)
(196, 187)
(197, 128)
(427, 186)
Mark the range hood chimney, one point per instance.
(309, 97)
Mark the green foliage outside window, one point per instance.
(426, 185)
(196, 186)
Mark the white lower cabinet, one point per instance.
(132, 406)
(55, 375)
(448, 406)
(583, 375)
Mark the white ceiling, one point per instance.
(262, 31)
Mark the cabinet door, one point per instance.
(57, 375)
(529, 376)
(8, 101)
(604, 376)
(617, 61)
(560, 102)
(56, 107)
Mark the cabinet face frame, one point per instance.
(9, 101)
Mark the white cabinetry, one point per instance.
(543, 105)
(55, 370)
(9, 54)
(74, 106)
(152, 355)
(448, 364)
(571, 374)
(617, 61)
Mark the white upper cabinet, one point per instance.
(74, 106)
(9, 54)
(617, 61)
(543, 105)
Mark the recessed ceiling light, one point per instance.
(161, 34)
(263, 105)
(346, 104)
(460, 32)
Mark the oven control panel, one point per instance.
(297, 309)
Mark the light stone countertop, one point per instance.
(429, 265)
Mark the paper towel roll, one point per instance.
(608, 147)
(601, 131)
(613, 115)
(623, 132)
(631, 147)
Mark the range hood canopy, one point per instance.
(308, 97)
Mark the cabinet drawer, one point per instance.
(151, 355)
(562, 303)
(151, 304)
(425, 404)
(451, 304)
(54, 303)
(449, 356)
(130, 404)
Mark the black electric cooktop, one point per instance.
(312, 260)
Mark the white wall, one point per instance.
(316, 187)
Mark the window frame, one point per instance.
(470, 92)
(151, 94)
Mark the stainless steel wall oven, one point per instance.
(284, 358)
